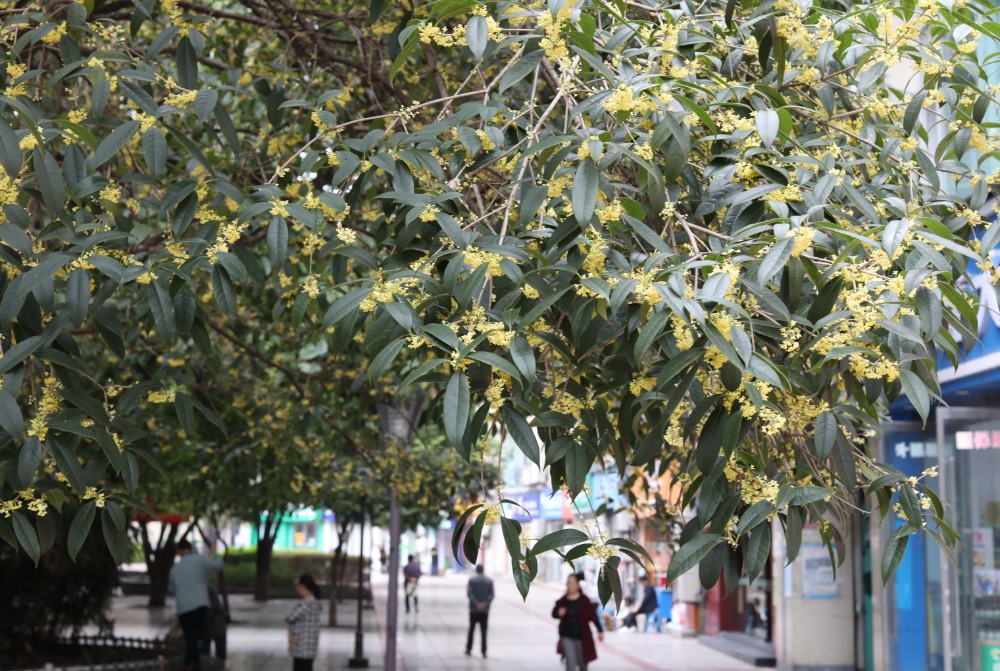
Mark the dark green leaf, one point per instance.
(456, 408)
(520, 431)
(26, 536)
(690, 554)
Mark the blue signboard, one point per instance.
(528, 507)
(550, 505)
(985, 355)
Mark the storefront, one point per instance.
(939, 614)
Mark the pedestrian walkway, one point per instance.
(522, 635)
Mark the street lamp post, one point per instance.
(359, 661)
(397, 424)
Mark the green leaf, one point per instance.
(512, 537)
(28, 460)
(520, 431)
(775, 259)
(154, 149)
(523, 356)
(754, 516)
(11, 419)
(49, 178)
(520, 69)
(710, 440)
(10, 152)
(113, 143)
(913, 110)
(204, 103)
(795, 521)
(911, 506)
(497, 363)
(758, 550)
(916, 392)
(80, 528)
(78, 296)
(892, 553)
(825, 433)
(578, 462)
(187, 64)
(26, 536)
(690, 553)
(162, 309)
(384, 359)
(456, 408)
(277, 242)
(473, 539)
(113, 537)
(460, 526)
(19, 352)
(558, 539)
(584, 194)
(767, 126)
(344, 305)
(477, 35)
(631, 546)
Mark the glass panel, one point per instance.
(972, 455)
(914, 606)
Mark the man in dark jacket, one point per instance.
(480, 593)
(649, 604)
(411, 574)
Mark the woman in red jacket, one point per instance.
(575, 613)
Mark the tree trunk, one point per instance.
(159, 560)
(337, 570)
(265, 552)
(262, 586)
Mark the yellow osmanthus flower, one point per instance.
(56, 34)
(682, 333)
(756, 487)
(611, 213)
(47, 406)
(803, 239)
(163, 396)
(180, 99)
(485, 140)
(641, 384)
(98, 496)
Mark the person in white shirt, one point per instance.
(189, 585)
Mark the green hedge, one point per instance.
(286, 567)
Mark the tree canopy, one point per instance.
(715, 238)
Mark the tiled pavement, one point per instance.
(522, 635)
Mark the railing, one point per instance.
(163, 654)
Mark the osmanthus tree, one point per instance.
(717, 238)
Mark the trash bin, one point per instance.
(665, 601)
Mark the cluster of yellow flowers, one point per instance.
(163, 396)
(228, 235)
(47, 406)
(99, 497)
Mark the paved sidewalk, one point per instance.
(522, 635)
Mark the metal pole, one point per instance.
(392, 607)
(359, 661)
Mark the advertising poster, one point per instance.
(817, 573)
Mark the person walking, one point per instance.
(575, 612)
(480, 593)
(303, 624)
(411, 574)
(189, 585)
